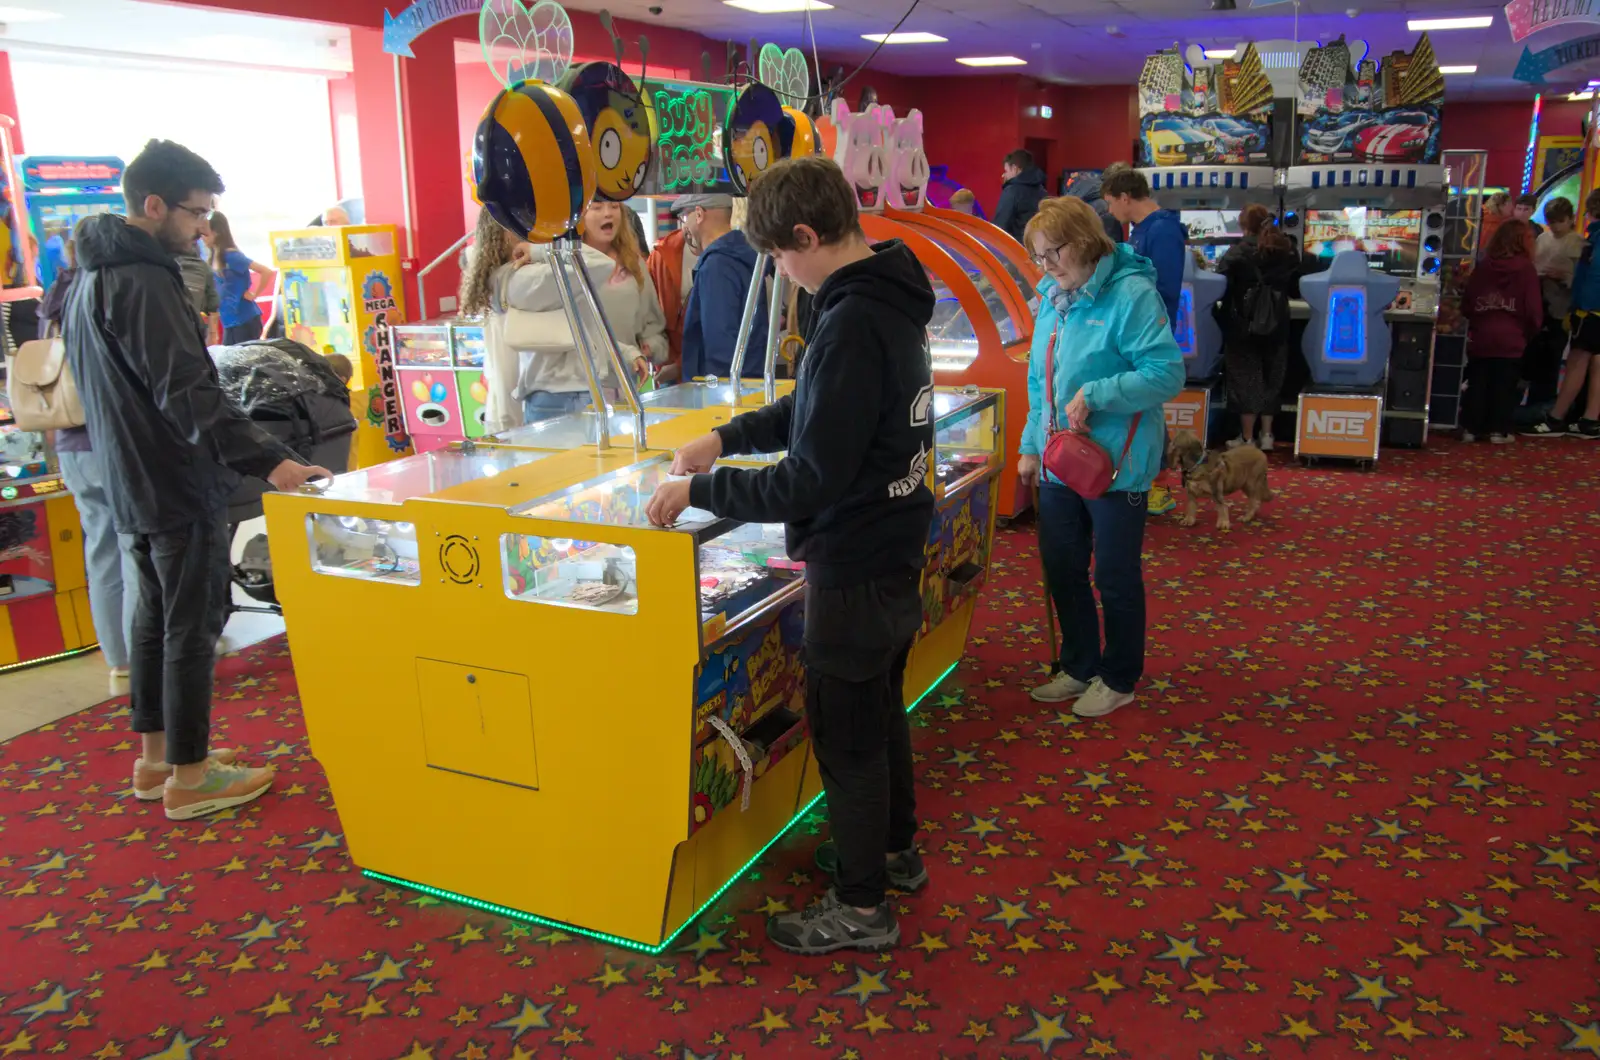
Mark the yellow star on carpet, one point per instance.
(54, 1005)
(180, 1048)
(1046, 1032)
(1584, 1039)
(867, 985)
(1181, 950)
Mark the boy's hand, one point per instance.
(668, 502)
(291, 475)
(1028, 465)
(697, 457)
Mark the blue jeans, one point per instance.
(549, 404)
(102, 556)
(1110, 532)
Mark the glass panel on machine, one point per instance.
(991, 297)
(422, 344)
(743, 567)
(425, 473)
(569, 432)
(693, 395)
(964, 439)
(951, 339)
(591, 575)
(351, 546)
(618, 498)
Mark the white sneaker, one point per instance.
(1468, 436)
(1265, 445)
(1234, 443)
(1100, 700)
(1059, 689)
(119, 681)
(1501, 439)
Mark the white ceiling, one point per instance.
(1083, 41)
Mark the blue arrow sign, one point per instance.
(400, 30)
(1534, 65)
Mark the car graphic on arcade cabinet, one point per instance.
(1335, 135)
(1396, 142)
(1174, 142)
(1235, 136)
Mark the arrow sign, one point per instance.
(1534, 65)
(400, 30)
(1527, 17)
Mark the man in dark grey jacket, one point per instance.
(172, 449)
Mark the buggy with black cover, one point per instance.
(294, 394)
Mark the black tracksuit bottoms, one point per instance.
(856, 643)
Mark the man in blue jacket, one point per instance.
(721, 283)
(1156, 233)
(1159, 236)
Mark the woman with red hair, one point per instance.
(1504, 306)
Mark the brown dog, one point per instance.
(1216, 475)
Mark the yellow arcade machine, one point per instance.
(569, 715)
(342, 290)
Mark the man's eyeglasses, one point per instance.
(198, 213)
(1051, 256)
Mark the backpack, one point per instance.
(1262, 311)
(40, 389)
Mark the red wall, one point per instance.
(1501, 128)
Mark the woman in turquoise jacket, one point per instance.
(1114, 359)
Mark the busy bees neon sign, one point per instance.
(688, 137)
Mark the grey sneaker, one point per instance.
(1100, 700)
(1061, 687)
(906, 871)
(829, 925)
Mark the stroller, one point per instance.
(293, 394)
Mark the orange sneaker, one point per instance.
(149, 778)
(223, 787)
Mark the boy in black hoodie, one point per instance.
(853, 494)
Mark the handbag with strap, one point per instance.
(1076, 460)
(40, 387)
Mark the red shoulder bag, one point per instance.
(1075, 459)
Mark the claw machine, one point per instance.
(565, 714)
(342, 290)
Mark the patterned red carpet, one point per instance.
(1356, 814)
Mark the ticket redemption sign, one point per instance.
(342, 291)
(1189, 411)
(1344, 426)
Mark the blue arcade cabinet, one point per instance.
(1346, 346)
(1198, 333)
(60, 192)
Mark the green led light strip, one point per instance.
(26, 663)
(617, 940)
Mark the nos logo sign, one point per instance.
(1339, 426)
(1334, 423)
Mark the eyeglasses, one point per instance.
(198, 213)
(1051, 256)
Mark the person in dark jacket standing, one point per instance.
(721, 281)
(171, 449)
(853, 494)
(1504, 306)
(1021, 193)
(1263, 271)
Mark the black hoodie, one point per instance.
(171, 445)
(858, 428)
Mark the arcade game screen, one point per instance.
(1211, 232)
(1389, 238)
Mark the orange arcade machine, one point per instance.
(984, 280)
